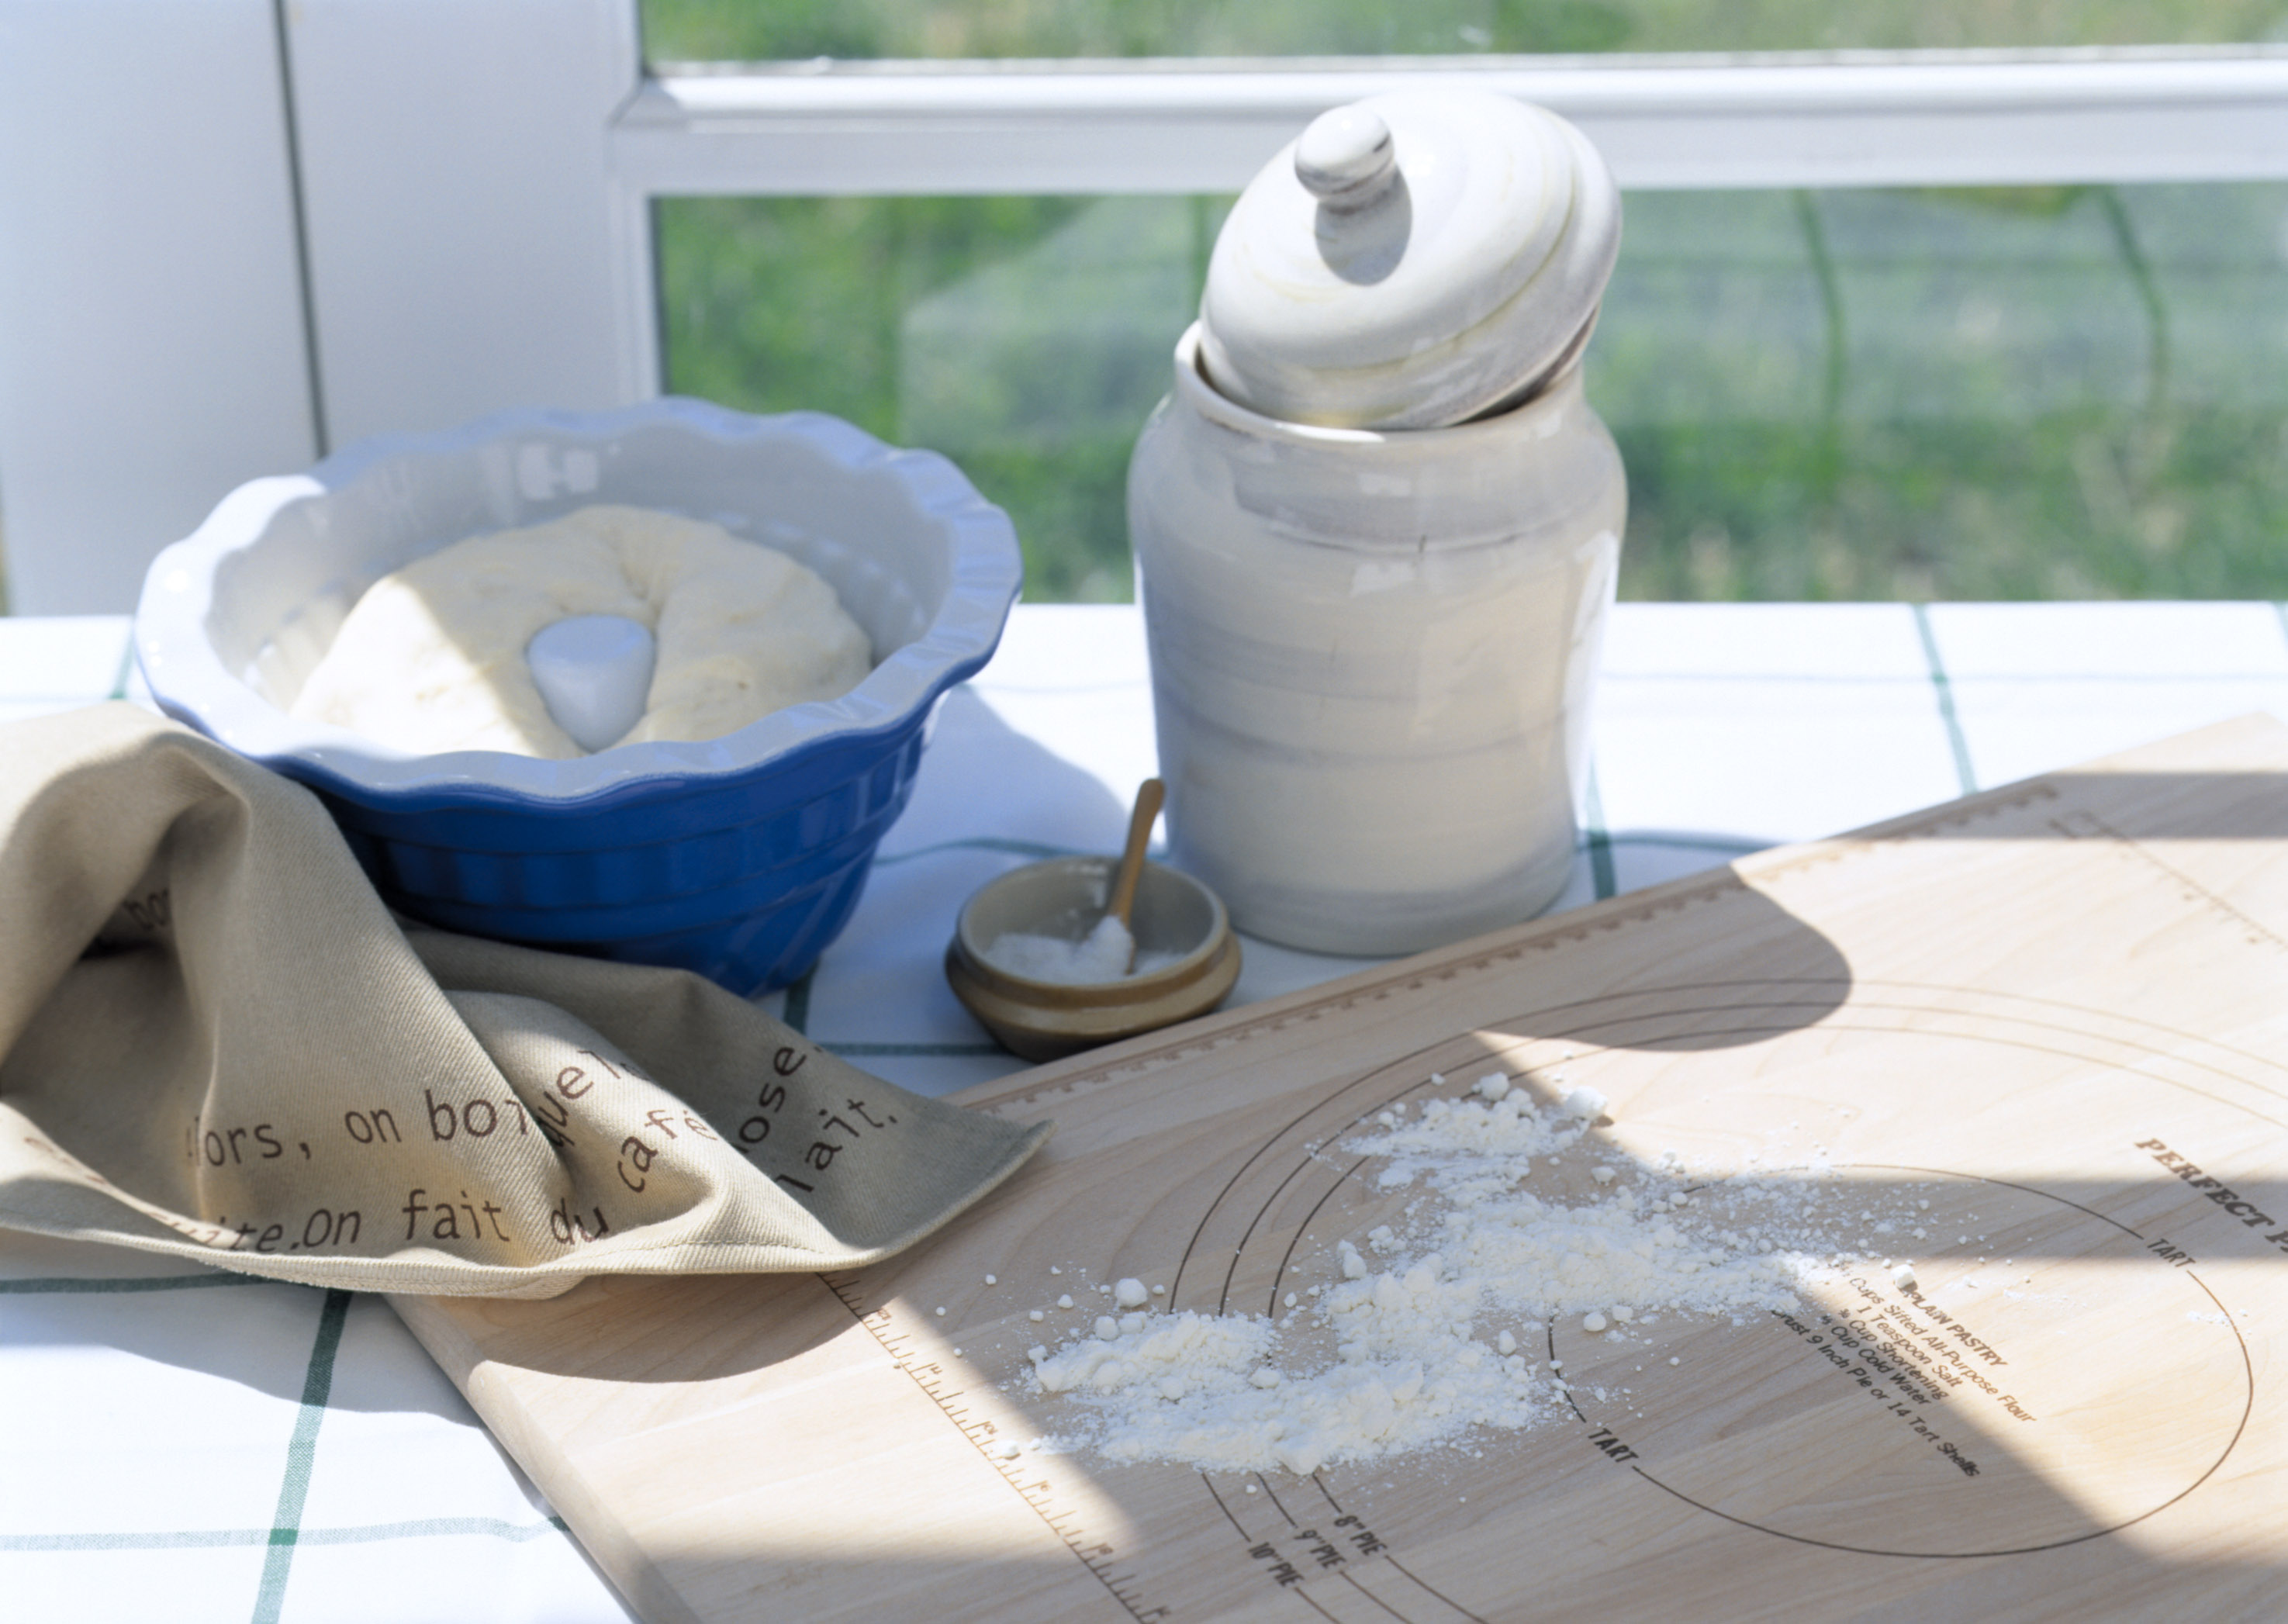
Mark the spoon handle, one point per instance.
(1149, 794)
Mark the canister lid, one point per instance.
(1412, 260)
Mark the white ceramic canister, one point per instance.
(1376, 528)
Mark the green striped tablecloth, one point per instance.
(186, 1445)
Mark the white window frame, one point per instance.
(1933, 118)
(427, 210)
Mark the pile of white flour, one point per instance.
(1420, 1337)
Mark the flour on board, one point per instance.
(1420, 1335)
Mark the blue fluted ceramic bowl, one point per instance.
(740, 857)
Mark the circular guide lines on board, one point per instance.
(2052, 1368)
(1912, 1384)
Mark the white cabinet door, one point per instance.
(220, 258)
(151, 348)
(468, 250)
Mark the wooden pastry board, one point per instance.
(2014, 1007)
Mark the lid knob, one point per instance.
(1346, 158)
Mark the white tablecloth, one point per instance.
(181, 1444)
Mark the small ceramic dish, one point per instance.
(1177, 922)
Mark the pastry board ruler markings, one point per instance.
(2087, 825)
(1037, 1490)
(2057, 1014)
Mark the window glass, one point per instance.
(2064, 392)
(1025, 337)
(2047, 392)
(736, 31)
